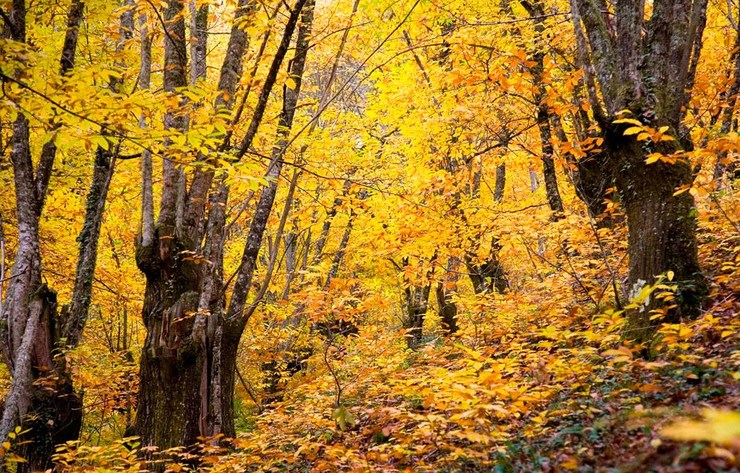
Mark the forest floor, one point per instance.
(523, 392)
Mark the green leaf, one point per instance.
(100, 141)
(343, 417)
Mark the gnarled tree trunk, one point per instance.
(42, 396)
(188, 363)
(644, 66)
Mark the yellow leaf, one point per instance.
(100, 141)
(290, 83)
(653, 157)
(14, 458)
(631, 121)
(722, 427)
(681, 190)
(632, 130)
(570, 463)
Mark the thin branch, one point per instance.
(248, 389)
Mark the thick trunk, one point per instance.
(188, 363)
(55, 412)
(171, 361)
(662, 232)
(645, 67)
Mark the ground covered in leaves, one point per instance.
(535, 381)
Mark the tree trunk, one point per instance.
(500, 187)
(444, 291)
(42, 396)
(645, 66)
(722, 167)
(536, 12)
(415, 308)
(188, 363)
(415, 304)
(590, 177)
(662, 232)
(489, 274)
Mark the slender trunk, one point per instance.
(498, 193)
(291, 261)
(238, 313)
(326, 226)
(489, 274)
(445, 291)
(721, 168)
(536, 12)
(416, 304)
(147, 191)
(57, 413)
(30, 330)
(415, 308)
(198, 41)
(589, 177)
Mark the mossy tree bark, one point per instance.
(42, 397)
(188, 363)
(644, 66)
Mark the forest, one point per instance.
(370, 235)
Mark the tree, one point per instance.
(188, 362)
(35, 336)
(642, 67)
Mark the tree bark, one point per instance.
(721, 168)
(29, 327)
(415, 308)
(444, 291)
(589, 176)
(188, 363)
(536, 12)
(416, 304)
(500, 187)
(645, 66)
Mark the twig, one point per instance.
(606, 261)
(248, 390)
(330, 343)
(722, 211)
(560, 268)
